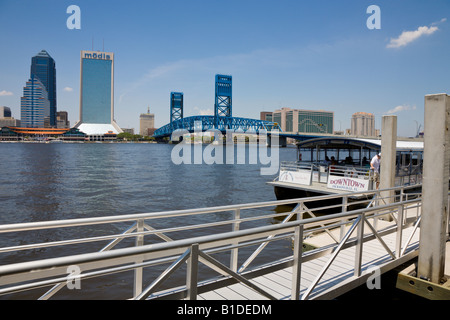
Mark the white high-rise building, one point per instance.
(363, 124)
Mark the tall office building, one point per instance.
(265, 115)
(34, 105)
(363, 124)
(305, 121)
(6, 119)
(5, 112)
(62, 119)
(97, 94)
(43, 68)
(146, 122)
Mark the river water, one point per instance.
(54, 181)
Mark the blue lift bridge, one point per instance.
(222, 104)
(222, 119)
(176, 106)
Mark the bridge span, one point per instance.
(205, 123)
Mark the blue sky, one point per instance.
(316, 55)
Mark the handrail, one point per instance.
(137, 256)
(27, 226)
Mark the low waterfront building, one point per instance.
(24, 133)
(9, 122)
(128, 130)
(303, 121)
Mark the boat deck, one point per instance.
(314, 188)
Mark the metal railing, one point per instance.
(53, 271)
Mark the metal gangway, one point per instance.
(222, 258)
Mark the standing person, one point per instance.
(375, 166)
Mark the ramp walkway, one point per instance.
(271, 250)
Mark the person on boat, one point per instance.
(332, 164)
(375, 166)
(365, 162)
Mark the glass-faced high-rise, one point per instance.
(97, 94)
(43, 68)
(96, 84)
(34, 104)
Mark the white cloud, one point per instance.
(204, 112)
(440, 21)
(401, 108)
(68, 89)
(409, 36)
(5, 93)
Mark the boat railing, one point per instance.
(408, 174)
(103, 251)
(321, 173)
(305, 173)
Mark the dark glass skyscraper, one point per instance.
(34, 105)
(43, 68)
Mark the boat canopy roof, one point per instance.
(358, 143)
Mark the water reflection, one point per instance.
(63, 181)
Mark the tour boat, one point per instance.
(313, 173)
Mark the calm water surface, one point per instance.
(63, 181)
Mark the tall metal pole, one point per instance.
(433, 228)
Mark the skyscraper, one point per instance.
(34, 105)
(43, 68)
(5, 112)
(97, 94)
(363, 124)
(146, 121)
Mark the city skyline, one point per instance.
(280, 54)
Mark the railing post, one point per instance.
(138, 272)
(192, 273)
(235, 252)
(297, 266)
(344, 209)
(398, 244)
(359, 245)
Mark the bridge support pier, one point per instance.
(282, 141)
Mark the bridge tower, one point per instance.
(222, 104)
(176, 106)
